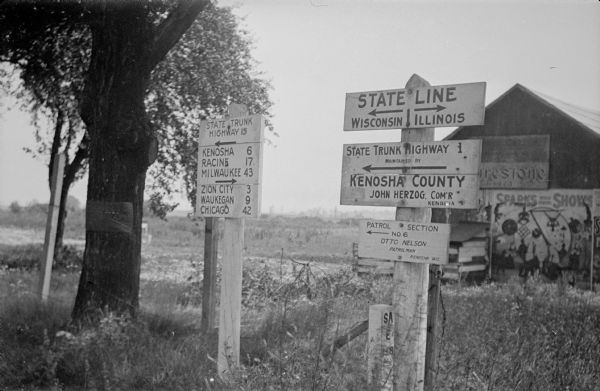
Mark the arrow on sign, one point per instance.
(374, 232)
(437, 108)
(374, 112)
(219, 143)
(232, 181)
(370, 168)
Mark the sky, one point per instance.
(313, 52)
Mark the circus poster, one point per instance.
(548, 230)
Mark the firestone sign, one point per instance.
(424, 107)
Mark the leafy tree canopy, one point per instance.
(210, 67)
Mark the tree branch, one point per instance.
(342, 340)
(173, 27)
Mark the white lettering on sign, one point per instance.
(404, 241)
(451, 105)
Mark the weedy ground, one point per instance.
(512, 336)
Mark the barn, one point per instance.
(540, 165)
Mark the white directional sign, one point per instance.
(431, 174)
(404, 241)
(435, 157)
(246, 129)
(229, 167)
(424, 107)
(230, 163)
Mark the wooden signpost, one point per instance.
(229, 172)
(381, 345)
(403, 181)
(51, 225)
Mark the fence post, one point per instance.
(51, 225)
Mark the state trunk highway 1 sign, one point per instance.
(432, 174)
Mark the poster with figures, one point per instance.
(549, 231)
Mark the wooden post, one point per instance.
(211, 246)
(209, 280)
(380, 346)
(231, 297)
(411, 282)
(433, 316)
(51, 225)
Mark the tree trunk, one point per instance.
(120, 141)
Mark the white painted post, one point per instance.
(51, 226)
(411, 281)
(381, 345)
(231, 297)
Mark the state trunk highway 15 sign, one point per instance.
(229, 167)
(423, 107)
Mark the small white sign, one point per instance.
(436, 157)
(404, 241)
(423, 107)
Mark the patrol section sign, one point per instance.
(229, 167)
(404, 241)
(432, 174)
(424, 107)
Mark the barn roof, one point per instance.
(587, 118)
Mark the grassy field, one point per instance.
(513, 336)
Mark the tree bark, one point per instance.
(120, 137)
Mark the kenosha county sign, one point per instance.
(441, 174)
(229, 167)
(424, 107)
(404, 241)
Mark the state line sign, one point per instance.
(423, 107)
(404, 241)
(425, 174)
(230, 167)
